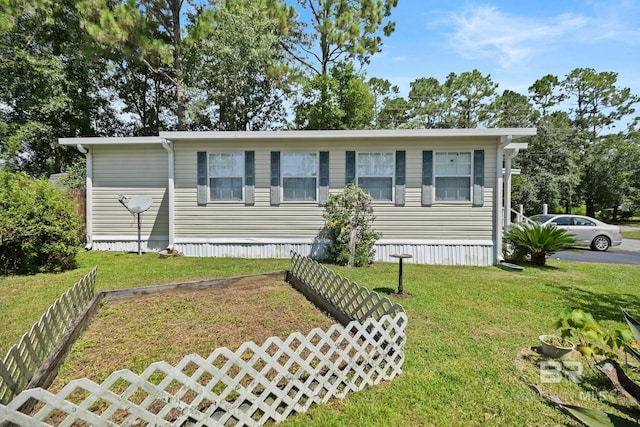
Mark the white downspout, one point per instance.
(504, 141)
(507, 186)
(88, 195)
(171, 189)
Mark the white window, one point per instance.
(299, 176)
(226, 175)
(375, 175)
(453, 176)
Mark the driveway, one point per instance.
(627, 253)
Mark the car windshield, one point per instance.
(541, 218)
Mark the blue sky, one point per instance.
(516, 41)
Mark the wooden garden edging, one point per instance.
(23, 360)
(251, 386)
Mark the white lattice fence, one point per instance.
(24, 359)
(250, 386)
(354, 300)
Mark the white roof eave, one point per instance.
(112, 140)
(516, 133)
(394, 134)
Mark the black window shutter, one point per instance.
(203, 197)
(249, 177)
(401, 167)
(427, 178)
(350, 169)
(478, 177)
(275, 177)
(323, 185)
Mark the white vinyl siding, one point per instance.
(299, 177)
(132, 170)
(453, 176)
(374, 173)
(226, 176)
(446, 220)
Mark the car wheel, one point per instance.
(600, 243)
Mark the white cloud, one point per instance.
(485, 32)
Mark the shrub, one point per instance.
(537, 241)
(38, 226)
(348, 217)
(75, 174)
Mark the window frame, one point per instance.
(241, 154)
(393, 174)
(315, 176)
(470, 175)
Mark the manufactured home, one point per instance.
(438, 195)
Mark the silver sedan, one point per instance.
(588, 231)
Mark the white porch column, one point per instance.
(499, 212)
(507, 187)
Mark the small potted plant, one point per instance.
(556, 347)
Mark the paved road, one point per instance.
(612, 256)
(627, 253)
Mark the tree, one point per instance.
(550, 168)
(460, 102)
(235, 91)
(428, 103)
(336, 31)
(394, 113)
(341, 100)
(598, 104)
(545, 93)
(147, 99)
(149, 31)
(469, 93)
(633, 137)
(511, 110)
(383, 92)
(48, 87)
(614, 172)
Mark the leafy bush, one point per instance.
(348, 217)
(76, 174)
(537, 241)
(591, 339)
(38, 226)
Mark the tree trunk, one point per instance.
(591, 207)
(352, 246)
(538, 258)
(178, 64)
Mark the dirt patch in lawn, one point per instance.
(132, 334)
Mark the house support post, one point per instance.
(167, 145)
(504, 141)
(507, 187)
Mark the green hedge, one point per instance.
(39, 226)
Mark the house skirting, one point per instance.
(440, 252)
(128, 243)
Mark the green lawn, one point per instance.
(631, 234)
(466, 326)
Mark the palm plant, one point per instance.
(537, 241)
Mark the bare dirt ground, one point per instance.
(167, 326)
